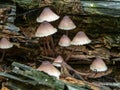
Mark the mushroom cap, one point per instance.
(57, 61)
(64, 41)
(47, 15)
(45, 29)
(66, 24)
(80, 39)
(98, 65)
(5, 44)
(48, 68)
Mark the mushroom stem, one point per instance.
(66, 32)
(45, 49)
(44, 46)
(52, 42)
(68, 57)
(63, 51)
(48, 46)
(3, 54)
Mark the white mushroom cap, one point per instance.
(5, 44)
(64, 41)
(47, 15)
(80, 39)
(48, 68)
(98, 65)
(58, 61)
(45, 29)
(66, 24)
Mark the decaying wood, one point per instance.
(37, 78)
(75, 81)
(66, 69)
(79, 82)
(102, 7)
(98, 26)
(111, 84)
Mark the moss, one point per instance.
(27, 4)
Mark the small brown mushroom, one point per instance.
(58, 61)
(98, 65)
(64, 42)
(79, 39)
(5, 44)
(48, 68)
(66, 24)
(47, 15)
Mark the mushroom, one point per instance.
(4, 44)
(58, 61)
(64, 42)
(45, 30)
(79, 39)
(98, 65)
(48, 68)
(47, 15)
(66, 24)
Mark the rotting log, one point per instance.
(33, 79)
(60, 5)
(92, 16)
(100, 7)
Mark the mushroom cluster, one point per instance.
(46, 30)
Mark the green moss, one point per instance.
(27, 4)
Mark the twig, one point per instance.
(112, 84)
(69, 68)
(46, 57)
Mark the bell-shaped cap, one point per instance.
(80, 39)
(48, 68)
(5, 44)
(64, 41)
(66, 24)
(47, 15)
(98, 65)
(58, 61)
(45, 29)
